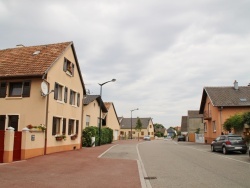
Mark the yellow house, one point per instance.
(42, 86)
(111, 119)
(91, 113)
(127, 124)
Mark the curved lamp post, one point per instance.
(131, 120)
(100, 118)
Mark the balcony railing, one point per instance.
(207, 115)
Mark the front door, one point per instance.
(17, 146)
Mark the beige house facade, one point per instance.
(127, 123)
(91, 113)
(112, 120)
(42, 86)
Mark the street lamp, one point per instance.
(100, 121)
(131, 120)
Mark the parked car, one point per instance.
(181, 138)
(227, 143)
(147, 138)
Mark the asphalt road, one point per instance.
(183, 164)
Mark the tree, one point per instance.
(138, 126)
(234, 122)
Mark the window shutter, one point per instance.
(56, 91)
(77, 126)
(3, 87)
(78, 99)
(26, 89)
(64, 126)
(71, 96)
(54, 126)
(65, 94)
(73, 68)
(65, 65)
(69, 127)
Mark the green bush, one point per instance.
(88, 132)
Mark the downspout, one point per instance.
(221, 108)
(82, 121)
(46, 115)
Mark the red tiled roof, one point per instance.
(22, 61)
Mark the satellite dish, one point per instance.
(44, 88)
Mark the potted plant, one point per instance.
(40, 127)
(60, 137)
(73, 137)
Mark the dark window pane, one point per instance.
(15, 89)
(13, 122)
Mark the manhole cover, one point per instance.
(149, 178)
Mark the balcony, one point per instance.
(207, 115)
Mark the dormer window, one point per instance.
(68, 67)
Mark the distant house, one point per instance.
(218, 104)
(184, 125)
(112, 120)
(195, 121)
(171, 132)
(91, 113)
(41, 86)
(127, 123)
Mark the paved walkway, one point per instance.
(79, 168)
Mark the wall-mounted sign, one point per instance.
(32, 137)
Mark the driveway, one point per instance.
(79, 168)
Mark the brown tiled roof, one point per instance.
(21, 61)
(226, 96)
(184, 123)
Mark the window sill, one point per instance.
(13, 98)
(61, 102)
(69, 74)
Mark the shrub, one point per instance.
(88, 132)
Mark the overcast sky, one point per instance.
(162, 52)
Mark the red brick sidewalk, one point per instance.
(80, 168)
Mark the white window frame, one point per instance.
(87, 120)
(214, 126)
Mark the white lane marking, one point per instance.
(220, 156)
(107, 151)
(143, 172)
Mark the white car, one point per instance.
(147, 138)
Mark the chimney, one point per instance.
(236, 87)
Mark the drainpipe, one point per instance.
(220, 109)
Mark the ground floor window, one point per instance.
(214, 126)
(56, 125)
(71, 126)
(142, 133)
(205, 127)
(13, 121)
